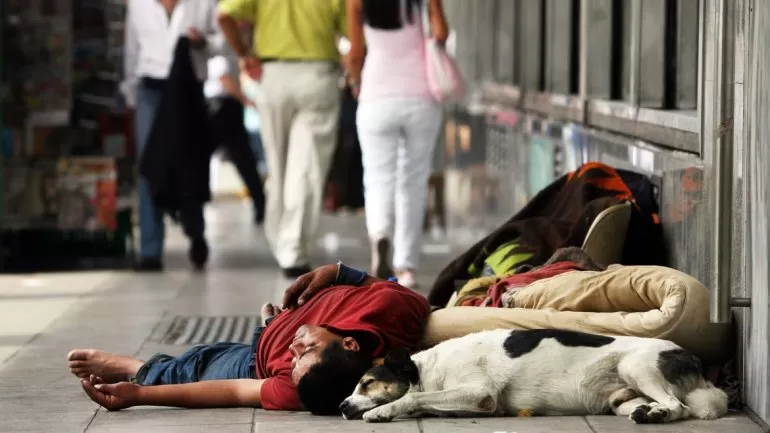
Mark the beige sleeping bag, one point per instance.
(642, 301)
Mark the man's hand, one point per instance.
(306, 286)
(197, 40)
(251, 66)
(114, 396)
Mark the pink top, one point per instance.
(395, 62)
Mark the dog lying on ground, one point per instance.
(539, 372)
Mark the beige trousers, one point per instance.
(299, 111)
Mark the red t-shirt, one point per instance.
(392, 315)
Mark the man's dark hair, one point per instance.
(326, 384)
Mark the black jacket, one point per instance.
(178, 151)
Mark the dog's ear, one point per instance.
(400, 362)
(396, 358)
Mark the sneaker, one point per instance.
(380, 262)
(407, 279)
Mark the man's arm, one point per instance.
(199, 395)
(229, 12)
(130, 58)
(306, 286)
(206, 394)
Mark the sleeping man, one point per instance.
(309, 356)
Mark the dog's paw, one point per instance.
(650, 414)
(639, 415)
(378, 415)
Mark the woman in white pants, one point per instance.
(398, 122)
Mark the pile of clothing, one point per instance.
(535, 272)
(560, 216)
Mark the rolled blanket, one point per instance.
(643, 301)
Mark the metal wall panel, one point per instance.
(652, 60)
(687, 55)
(756, 163)
(505, 35)
(461, 16)
(644, 56)
(558, 46)
(530, 21)
(596, 48)
(473, 31)
(487, 21)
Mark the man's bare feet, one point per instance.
(112, 368)
(268, 311)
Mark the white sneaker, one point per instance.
(407, 279)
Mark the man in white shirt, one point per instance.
(226, 106)
(153, 28)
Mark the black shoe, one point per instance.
(199, 253)
(259, 214)
(381, 259)
(149, 264)
(296, 271)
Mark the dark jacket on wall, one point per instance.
(559, 216)
(178, 150)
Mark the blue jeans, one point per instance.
(151, 227)
(218, 361)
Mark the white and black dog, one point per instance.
(539, 372)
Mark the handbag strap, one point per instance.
(425, 12)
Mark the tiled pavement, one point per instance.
(43, 316)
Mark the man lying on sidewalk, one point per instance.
(309, 355)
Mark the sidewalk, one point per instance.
(43, 316)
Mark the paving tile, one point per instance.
(507, 424)
(37, 401)
(45, 421)
(150, 417)
(261, 415)
(200, 428)
(328, 425)
(53, 428)
(149, 349)
(22, 378)
(731, 423)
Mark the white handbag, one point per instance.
(444, 78)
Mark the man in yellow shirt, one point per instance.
(296, 60)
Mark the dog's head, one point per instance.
(382, 384)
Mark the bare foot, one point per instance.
(112, 368)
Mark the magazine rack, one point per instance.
(68, 151)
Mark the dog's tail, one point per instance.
(706, 401)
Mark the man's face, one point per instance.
(308, 345)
